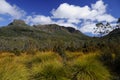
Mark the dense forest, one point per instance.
(53, 52)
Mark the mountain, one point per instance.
(20, 26)
(18, 36)
(54, 28)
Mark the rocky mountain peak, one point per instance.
(18, 22)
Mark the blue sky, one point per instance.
(80, 14)
(45, 6)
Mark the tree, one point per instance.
(102, 29)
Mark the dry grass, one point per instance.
(50, 66)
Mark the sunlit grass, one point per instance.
(72, 55)
(11, 70)
(50, 70)
(87, 67)
(50, 66)
(38, 58)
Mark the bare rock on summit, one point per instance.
(18, 22)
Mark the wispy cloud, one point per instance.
(11, 10)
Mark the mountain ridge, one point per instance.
(22, 37)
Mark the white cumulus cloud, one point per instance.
(38, 19)
(66, 24)
(88, 27)
(94, 12)
(66, 10)
(99, 6)
(85, 16)
(41, 19)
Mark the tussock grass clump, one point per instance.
(47, 66)
(73, 55)
(38, 58)
(87, 67)
(11, 70)
(50, 70)
(51, 66)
